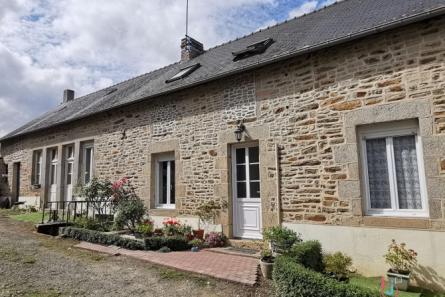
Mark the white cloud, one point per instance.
(304, 8)
(49, 45)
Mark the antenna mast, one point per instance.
(187, 19)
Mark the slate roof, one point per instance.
(331, 25)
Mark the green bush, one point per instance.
(337, 264)
(175, 243)
(293, 280)
(308, 254)
(92, 224)
(281, 238)
(101, 238)
(129, 214)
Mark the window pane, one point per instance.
(53, 174)
(254, 171)
(407, 173)
(87, 168)
(172, 182)
(69, 173)
(254, 190)
(241, 189)
(240, 156)
(240, 172)
(163, 182)
(379, 190)
(254, 154)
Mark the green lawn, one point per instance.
(374, 283)
(31, 217)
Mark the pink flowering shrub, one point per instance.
(215, 239)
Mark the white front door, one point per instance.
(246, 191)
(53, 175)
(69, 163)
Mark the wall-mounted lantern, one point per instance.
(239, 130)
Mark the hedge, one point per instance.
(308, 254)
(174, 243)
(101, 238)
(293, 280)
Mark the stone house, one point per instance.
(332, 124)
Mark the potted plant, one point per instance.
(207, 213)
(280, 239)
(401, 261)
(196, 244)
(267, 261)
(144, 230)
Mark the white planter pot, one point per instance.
(400, 281)
(266, 269)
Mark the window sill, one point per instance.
(166, 212)
(396, 222)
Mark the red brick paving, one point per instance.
(233, 268)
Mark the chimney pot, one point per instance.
(68, 95)
(190, 48)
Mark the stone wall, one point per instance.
(306, 110)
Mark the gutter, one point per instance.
(384, 27)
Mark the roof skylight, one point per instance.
(183, 72)
(253, 49)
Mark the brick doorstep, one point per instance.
(234, 268)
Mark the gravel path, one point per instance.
(37, 265)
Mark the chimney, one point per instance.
(190, 48)
(68, 95)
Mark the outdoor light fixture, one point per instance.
(239, 130)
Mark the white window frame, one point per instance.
(247, 164)
(69, 160)
(85, 147)
(170, 157)
(53, 166)
(37, 167)
(389, 131)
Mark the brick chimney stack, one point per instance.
(190, 48)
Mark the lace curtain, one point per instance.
(407, 173)
(379, 189)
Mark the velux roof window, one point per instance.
(183, 72)
(253, 49)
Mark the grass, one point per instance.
(171, 274)
(30, 217)
(12, 255)
(374, 283)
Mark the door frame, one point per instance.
(235, 208)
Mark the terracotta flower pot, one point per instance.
(198, 233)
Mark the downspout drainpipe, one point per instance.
(277, 165)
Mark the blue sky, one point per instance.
(50, 45)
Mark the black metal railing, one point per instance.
(70, 211)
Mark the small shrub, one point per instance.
(175, 243)
(281, 238)
(309, 254)
(101, 238)
(401, 259)
(215, 239)
(337, 265)
(129, 214)
(145, 228)
(266, 256)
(199, 243)
(91, 224)
(293, 280)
